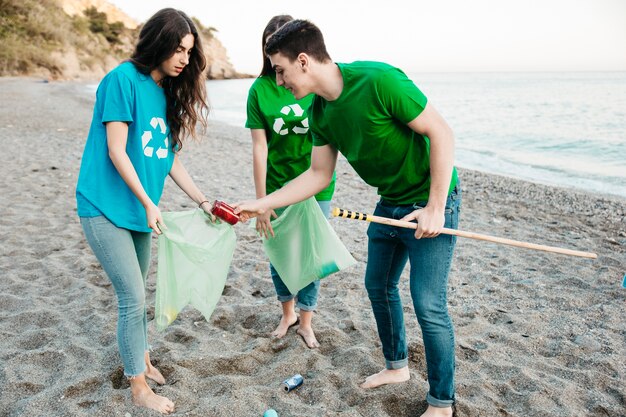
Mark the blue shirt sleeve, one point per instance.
(117, 98)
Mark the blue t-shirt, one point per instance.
(125, 95)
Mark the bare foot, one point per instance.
(152, 372)
(387, 376)
(143, 396)
(308, 336)
(437, 412)
(285, 323)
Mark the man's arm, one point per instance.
(430, 123)
(307, 184)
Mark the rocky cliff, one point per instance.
(80, 39)
(113, 14)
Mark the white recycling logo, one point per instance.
(146, 138)
(279, 123)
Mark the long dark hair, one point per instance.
(185, 94)
(272, 26)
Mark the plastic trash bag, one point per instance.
(194, 256)
(305, 248)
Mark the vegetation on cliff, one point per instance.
(37, 36)
(39, 39)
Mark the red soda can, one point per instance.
(224, 212)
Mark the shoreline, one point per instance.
(574, 189)
(536, 333)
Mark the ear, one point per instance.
(303, 61)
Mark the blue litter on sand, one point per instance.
(292, 383)
(624, 282)
(270, 413)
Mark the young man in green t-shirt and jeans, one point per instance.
(382, 123)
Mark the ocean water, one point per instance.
(565, 129)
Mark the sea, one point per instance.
(555, 128)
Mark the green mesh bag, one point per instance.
(193, 260)
(305, 248)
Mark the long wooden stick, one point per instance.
(347, 214)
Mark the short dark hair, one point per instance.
(272, 26)
(296, 37)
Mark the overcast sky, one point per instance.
(443, 35)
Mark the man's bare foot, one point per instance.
(437, 412)
(387, 376)
(309, 337)
(143, 396)
(152, 372)
(285, 323)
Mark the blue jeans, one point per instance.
(430, 258)
(307, 296)
(125, 257)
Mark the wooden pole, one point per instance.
(346, 214)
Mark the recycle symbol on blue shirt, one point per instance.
(147, 140)
(279, 123)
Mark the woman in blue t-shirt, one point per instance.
(144, 109)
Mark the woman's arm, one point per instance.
(117, 137)
(181, 177)
(259, 165)
(259, 160)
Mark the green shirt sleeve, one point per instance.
(318, 140)
(400, 96)
(315, 111)
(254, 115)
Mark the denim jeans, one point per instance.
(389, 248)
(125, 257)
(307, 296)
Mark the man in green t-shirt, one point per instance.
(397, 142)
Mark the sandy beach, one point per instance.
(537, 333)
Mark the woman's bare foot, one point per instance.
(387, 376)
(288, 319)
(284, 325)
(309, 337)
(143, 396)
(437, 412)
(306, 329)
(152, 372)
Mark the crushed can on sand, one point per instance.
(292, 383)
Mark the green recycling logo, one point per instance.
(147, 140)
(279, 124)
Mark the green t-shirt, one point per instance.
(367, 123)
(286, 124)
